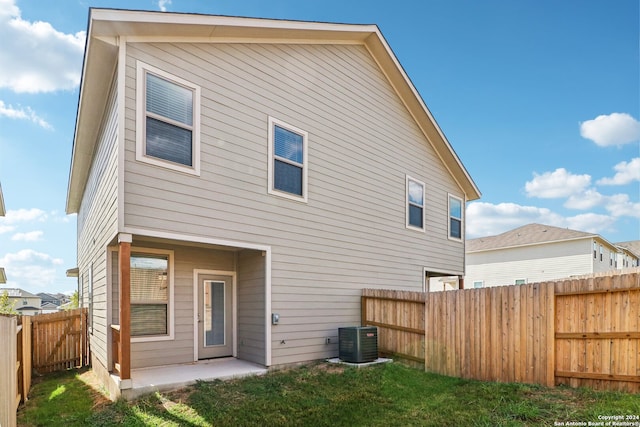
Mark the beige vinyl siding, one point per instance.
(362, 142)
(535, 263)
(186, 260)
(251, 306)
(97, 223)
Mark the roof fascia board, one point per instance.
(2, 208)
(236, 40)
(404, 88)
(99, 61)
(214, 21)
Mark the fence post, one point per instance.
(8, 380)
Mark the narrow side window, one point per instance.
(455, 217)
(415, 204)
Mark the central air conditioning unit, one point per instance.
(358, 344)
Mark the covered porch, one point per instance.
(184, 352)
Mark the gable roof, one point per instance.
(106, 27)
(633, 246)
(530, 234)
(18, 293)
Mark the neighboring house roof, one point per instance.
(48, 298)
(530, 234)
(3, 276)
(633, 246)
(107, 26)
(46, 305)
(18, 293)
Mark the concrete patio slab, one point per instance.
(173, 377)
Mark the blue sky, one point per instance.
(539, 98)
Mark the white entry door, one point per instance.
(215, 316)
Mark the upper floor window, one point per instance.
(168, 120)
(601, 253)
(415, 203)
(595, 250)
(287, 160)
(455, 217)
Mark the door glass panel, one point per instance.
(214, 317)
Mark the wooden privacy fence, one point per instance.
(60, 341)
(15, 366)
(580, 332)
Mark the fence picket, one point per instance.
(542, 333)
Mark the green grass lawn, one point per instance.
(325, 395)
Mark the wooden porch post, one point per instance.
(124, 261)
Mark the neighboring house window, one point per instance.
(455, 217)
(150, 295)
(595, 250)
(478, 284)
(601, 252)
(287, 160)
(521, 281)
(168, 127)
(415, 203)
(611, 259)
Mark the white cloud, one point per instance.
(625, 173)
(590, 223)
(585, 200)
(614, 129)
(6, 228)
(620, 205)
(29, 269)
(556, 184)
(23, 114)
(162, 4)
(30, 236)
(24, 215)
(487, 219)
(54, 58)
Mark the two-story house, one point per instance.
(238, 181)
(537, 253)
(24, 303)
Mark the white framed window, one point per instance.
(478, 284)
(521, 281)
(288, 157)
(167, 120)
(601, 253)
(595, 250)
(151, 295)
(456, 213)
(415, 204)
